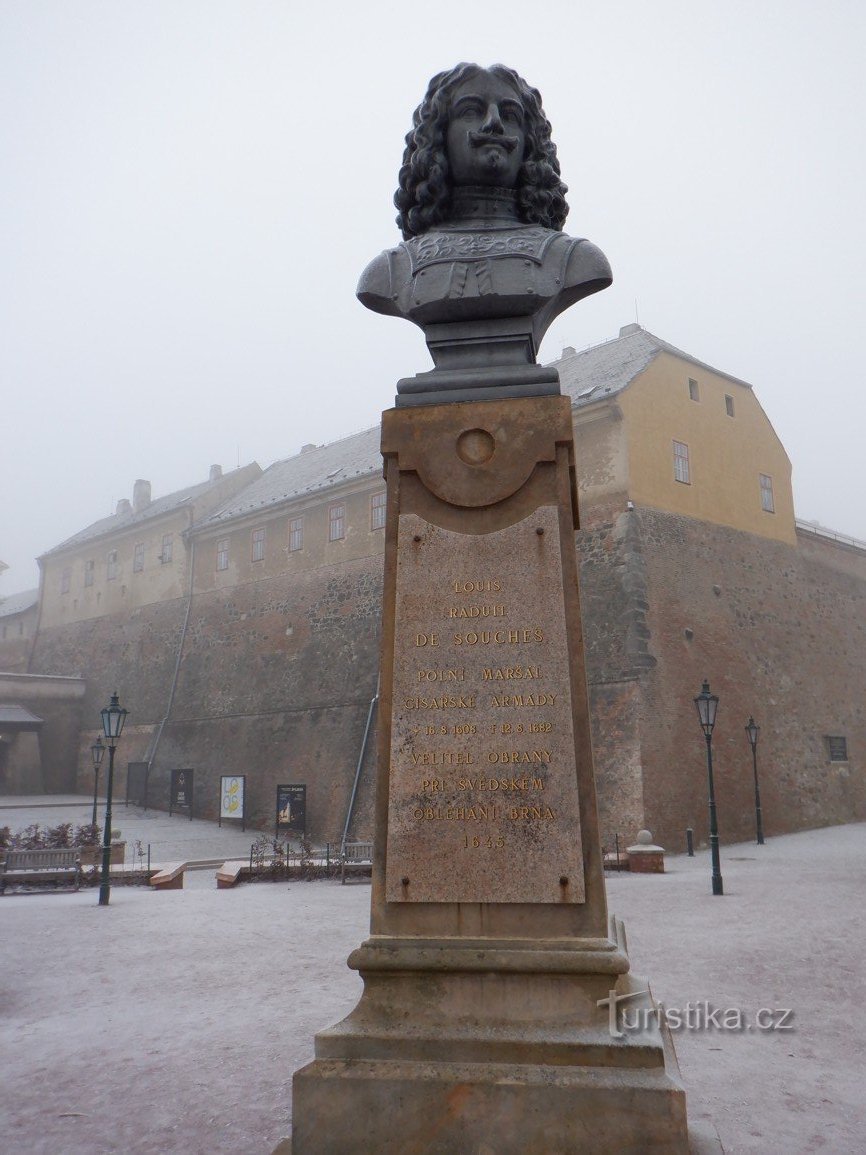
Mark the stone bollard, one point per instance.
(645, 857)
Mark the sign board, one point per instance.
(292, 809)
(232, 792)
(136, 783)
(181, 794)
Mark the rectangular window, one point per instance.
(89, 567)
(257, 545)
(296, 534)
(138, 557)
(681, 463)
(837, 748)
(693, 390)
(729, 405)
(167, 548)
(767, 503)
(223, 553)
(377, 510)
(112, 568)
(66, 580)
(336, 522)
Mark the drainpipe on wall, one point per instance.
(359, 767)
(150, 756)
(37, 625)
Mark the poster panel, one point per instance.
(292, 808)
(181, 794)
(232, 790)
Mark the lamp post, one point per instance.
(752, 731)
(113, 718)
(97, 751)
(707, 704)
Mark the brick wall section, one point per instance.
(133, 654)
(275, 682)
(780, 632)
(614, 604)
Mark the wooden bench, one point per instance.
(24, 866)
(356, 856)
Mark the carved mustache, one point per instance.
(477, 139)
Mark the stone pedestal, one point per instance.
(485, 1025)
(645, 857)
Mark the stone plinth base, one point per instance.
(394, 1108)
(493, 1054)
(646, 861)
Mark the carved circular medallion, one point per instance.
(475, 446)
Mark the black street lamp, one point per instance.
(113, 718)
(97, 751)
(707, 704)
(752, 731)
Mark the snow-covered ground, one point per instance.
(172, 1022)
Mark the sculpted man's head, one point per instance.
(479, 127)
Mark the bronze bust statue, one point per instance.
(484, 266)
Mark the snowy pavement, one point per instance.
(172, 1022)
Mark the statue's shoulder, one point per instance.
(380, 282)
(586, 262)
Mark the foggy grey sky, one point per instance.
(190, 189)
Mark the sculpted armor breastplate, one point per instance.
(459, 272)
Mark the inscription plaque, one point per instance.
(483, 803)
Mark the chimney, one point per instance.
(140, 495)
(123, 506)
(627, 330)
(216, 472)
(568, 351)
(306, 448)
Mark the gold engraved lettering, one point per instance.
(523, 700)
(427, 639)
(476, 612)
(444, 702)
(457, 813)
(526, 813)
(442, 675)
(510, 673)
(435, 786)
(518, 756)
(443, 758)
(487, 586)
(506, 785)
(498, 637)
(491, 842)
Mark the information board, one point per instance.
(292, 809)
(232, 797)
(181, 791)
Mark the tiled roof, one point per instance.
(605, 369)
(316, 468)
(129, 518)
(11, 715)
(18, 603)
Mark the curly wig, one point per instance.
(424, 195)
